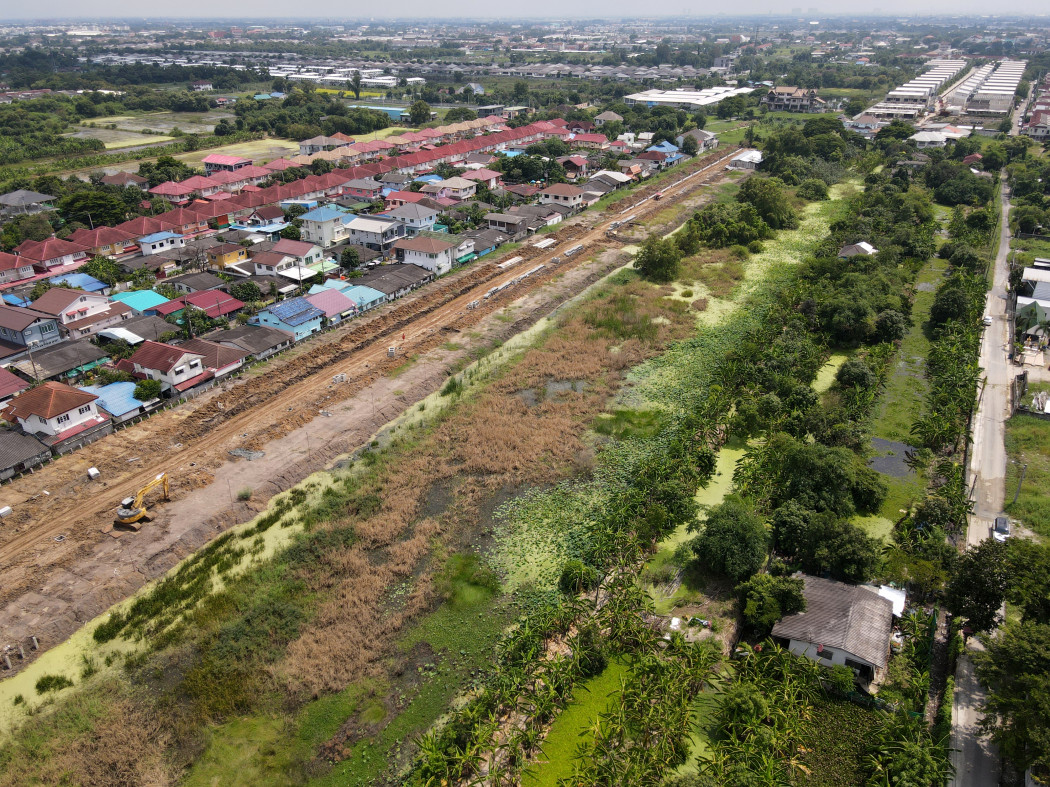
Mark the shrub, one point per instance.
(577, 576)
(147, 390)
(52, 683)
(733, 541)
(244, 494)
(740, 252)
(454, 387)
(755, 247)
(855, 373)
(813, 189)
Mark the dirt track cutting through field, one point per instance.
(275, 411)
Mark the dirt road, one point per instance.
(53, 539)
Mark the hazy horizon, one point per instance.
(250, 11)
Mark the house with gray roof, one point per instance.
(842, 624)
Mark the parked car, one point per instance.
(1001, 528)
(987, 320)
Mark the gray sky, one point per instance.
(250, 10)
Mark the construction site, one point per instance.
(223, 455)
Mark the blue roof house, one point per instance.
(140, 301)
(81, 281)
(118, 399)
(365, 297)
(296, 316)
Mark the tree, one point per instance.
(1016, 669)
(733, 541)
(147, 390)
(690, 146)
(766, 599)
(355, 85)
(419, 113)
(890, 326)
(855, 373)
(768, 197)
(658, 259)
(223, 128)
(978, 588)
(32, 226)
(350, 258)
(246, 291)
(103, 269)
(291, 232)
(94, 208)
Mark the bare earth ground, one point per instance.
(50, 587)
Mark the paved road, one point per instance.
(976, 760)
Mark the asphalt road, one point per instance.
(975, 758)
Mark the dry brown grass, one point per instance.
(101, 737)
(493, 440)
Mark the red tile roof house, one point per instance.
(590, 141)
(214, 303)
(81, 313)
(56, 413)
(10, 385)
(47, 255)
(105, 241)
(395, 199)
(14, 268)
(182, 190)
(177, 369)
(186, 221)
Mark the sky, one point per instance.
(249, 10)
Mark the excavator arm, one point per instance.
(132, 510)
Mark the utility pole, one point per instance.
(1024, 469)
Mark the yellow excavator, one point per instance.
(132, 512)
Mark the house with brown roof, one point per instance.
(305, 253)
(226, 254)
(564, 194)
(10, 385)
(430, 253)
(125, 179)
(55, 412)
(24, 327)
(842, 624)
(177, 369)
(220, 359)
(81, 313)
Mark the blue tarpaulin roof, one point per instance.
(14, 300)
(115, 398)
(81, 281)
(140, 300)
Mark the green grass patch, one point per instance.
(623, 424)
(906, 384)
(1028, 443)
(588, 700)
(835, 737)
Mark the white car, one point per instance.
(987, 319)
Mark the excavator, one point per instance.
(132, 512)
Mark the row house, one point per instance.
(14, 268)
(105, 241)
(219, 162)
(48, 255)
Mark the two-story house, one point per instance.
(55, 412)
(226, 254)
(415, 217)
(14, 268)
(80, 313)
(375, 232)
(268, 263)
(159, 242)
(363, 189)
(324, 226)
(563, 194)
(456, 188)
(219, 162)
(24, 327)
(176, 368)
(430, 253)
(306, 253)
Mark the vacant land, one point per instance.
(115, 139)
(259, 150)
(1028, 448)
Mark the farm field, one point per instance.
(260, 150)
(116, 139)
(164, 122)
(1028, 443)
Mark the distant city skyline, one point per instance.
(58, 11)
